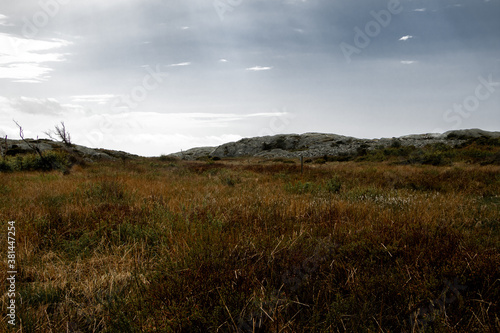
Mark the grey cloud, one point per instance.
(276, 53)
(44, 106)
(37, 106)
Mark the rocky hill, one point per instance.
(320, 144)
(20, 147)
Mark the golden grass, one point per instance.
(248, 246)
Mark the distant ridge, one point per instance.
(320, 144)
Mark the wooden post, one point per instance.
(4, 149)
(301, 164)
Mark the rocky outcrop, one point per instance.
(16, 147)
(193, 153)
(320, 144)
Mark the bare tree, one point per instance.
(32, 146)
(60, 133)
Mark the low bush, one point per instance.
(51, 160)
(333, 185)
(301, 187)
(167, 158)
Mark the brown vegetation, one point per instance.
(168, 246)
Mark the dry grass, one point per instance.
(245, 246)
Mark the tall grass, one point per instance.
(169, 246)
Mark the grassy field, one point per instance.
(157, 245)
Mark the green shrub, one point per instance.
(395, 143)
(166, 158)
(5, 167)
(483, 141)
(300, 187)
(229, 181)
(333, 185)
(362, 150)
(106, 190)
(436, 159)
(51, 160)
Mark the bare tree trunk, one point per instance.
(33, 147)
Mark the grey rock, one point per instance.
(194, 153)
(320, 144)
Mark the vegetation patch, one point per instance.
(382, 242)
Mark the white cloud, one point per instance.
(267, 114)
(99, 99)
(22, 60)
(222, 60)
(25, 73)
(420, 10)
(405, 38)
(408, 62)
(3, 21)
(258, 68)
(180, 64)
(215, 119)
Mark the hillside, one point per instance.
(471, 146)
(47, 155)
(313, 145)
(17, 147)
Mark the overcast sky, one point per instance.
(153, 77)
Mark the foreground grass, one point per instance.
(161, 246)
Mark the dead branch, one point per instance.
(60, 133)
(32, 146)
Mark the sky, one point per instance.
(154, 77)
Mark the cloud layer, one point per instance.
(202, 71)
